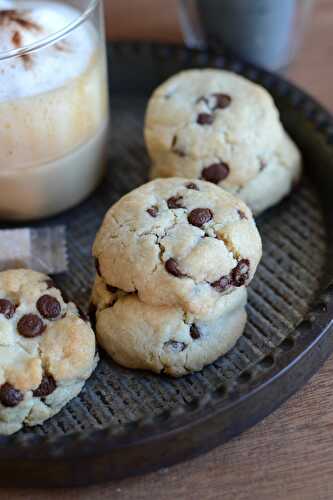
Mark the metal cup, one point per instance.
(264, 32)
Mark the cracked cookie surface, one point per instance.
(46, 350)
(220, 127)
(179, 243)
(163, 339)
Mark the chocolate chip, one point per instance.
(153, 211)
(46, 387)
(30, 326)
(222, 101)
(175, 202)
(195, 332)
(175, 346)
(241, 273)
(172, 267)
(97, 266)
(7, 308)
(9, 396)
(191, 185)
(242, 214)
(112, 289)
(50, 284)
(205, 119)
(49, 307)
(216, 172)
(222, 284)
(200, 216)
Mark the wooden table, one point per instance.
(288, 456)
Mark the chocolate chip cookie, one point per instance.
(179, 243)
(163, 339)
(217, 126)
(47, 351)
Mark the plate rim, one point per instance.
(183, 420)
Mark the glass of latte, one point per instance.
(53, 105)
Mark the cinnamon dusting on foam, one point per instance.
(62, 46)
(17, 39)
(30, 21)
(21, 19)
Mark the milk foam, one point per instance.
(48, 68)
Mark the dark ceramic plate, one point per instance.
(127, 422)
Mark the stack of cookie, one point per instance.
(173, 258)
(220, 127)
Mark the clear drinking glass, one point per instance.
(264, 32)
(53, 105)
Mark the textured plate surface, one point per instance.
(146, 421)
